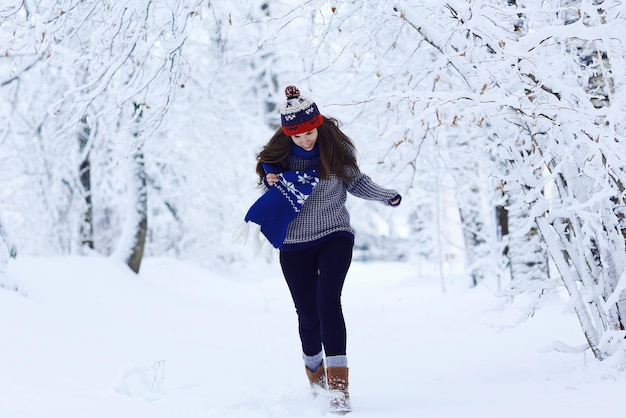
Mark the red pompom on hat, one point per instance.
(299, 114)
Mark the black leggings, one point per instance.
(315, 277)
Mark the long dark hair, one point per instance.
(337, 152)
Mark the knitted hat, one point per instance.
(299, 114)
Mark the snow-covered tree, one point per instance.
(77, 70)
(560, 149)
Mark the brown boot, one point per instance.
(317, 378)
(338, 387)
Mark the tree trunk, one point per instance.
(7, 250)
(134, 229)
(473, 231)
(571, 278)
(140, 191)
(527, 253)
(86, 227)
(141, 207)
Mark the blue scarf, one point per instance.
(280, 205)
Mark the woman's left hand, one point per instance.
(395, 201)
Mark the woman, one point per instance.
(308, 166)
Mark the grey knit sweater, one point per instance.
(324, 212)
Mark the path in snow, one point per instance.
(86, 338)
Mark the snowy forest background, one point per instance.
(129, 129)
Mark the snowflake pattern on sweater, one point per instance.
(296, 186)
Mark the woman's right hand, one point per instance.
(271, 179)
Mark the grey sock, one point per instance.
(313, 362)
(337, 361)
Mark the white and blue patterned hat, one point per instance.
(299, 114)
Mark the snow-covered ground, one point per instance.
(85, 338)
